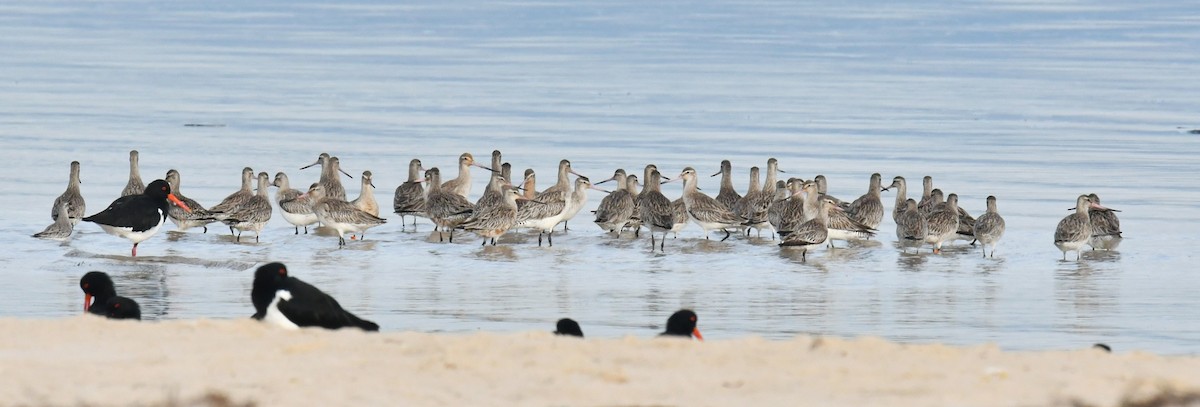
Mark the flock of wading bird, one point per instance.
(800, 212)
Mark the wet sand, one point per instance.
(87, 360)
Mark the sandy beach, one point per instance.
(91, 361)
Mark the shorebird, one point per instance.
(679, 216)
(222, 210)
(135, 185)
(789, 208)
(446, 208)
(901, 192)
(943, 223)
(775, 211)
(654, 209)
(754, 188)
(290, 303)
(616, 208)
(72, 197)
(493, 196)
(568, 327)
(911, 227)
(462, 184)
(137, 217)
(989, 227)
(330, 182)
(757, 204)
(551, 208)
(1075, 230)
(297, 211)
(529, 187)
(868, 209)
(682, 324)
(704, 210)
(1106, 228)
(966, 223)
(814, 232)
(61, 228)
(579, 197)
(184, 220)
(728, 196)
(926, 203)
(340, 215)
(254, 214)
(634, 222)
(410, 196)
(366, 196)
(100, 298)
(493, 221)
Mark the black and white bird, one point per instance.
(682, 324)
(100, 298)
(138, 217)
(290, 303)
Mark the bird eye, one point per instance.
(693, 319)
(117, 305)
(85, 285)
(283, 272)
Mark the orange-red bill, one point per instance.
(696, 333)
(87, 302)
(178, 203)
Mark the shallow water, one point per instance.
(1035, 103)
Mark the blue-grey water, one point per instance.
(1034, 102)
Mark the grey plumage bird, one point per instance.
(72, 197)
(366, 196)
(706, 211)
(989, 228)
(901, 187)
(225, 208)
(340, 215)
(254, 214)
(295, 210)
(943, 223)
(184, 220)
(134, 186)
(61, 228)
(911, 227)
(409, 199)
(814, 232)
(445, 207)
(616, 208)
(868, 208)
(727, 196)
(654, 208)
(494, 221)
(1106, 227)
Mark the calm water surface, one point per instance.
(1033, 102)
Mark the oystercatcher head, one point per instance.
(96, 285)
(683, 323)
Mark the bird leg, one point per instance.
(550, 238)
(726, 234)
(134, 250)
(540, 233)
